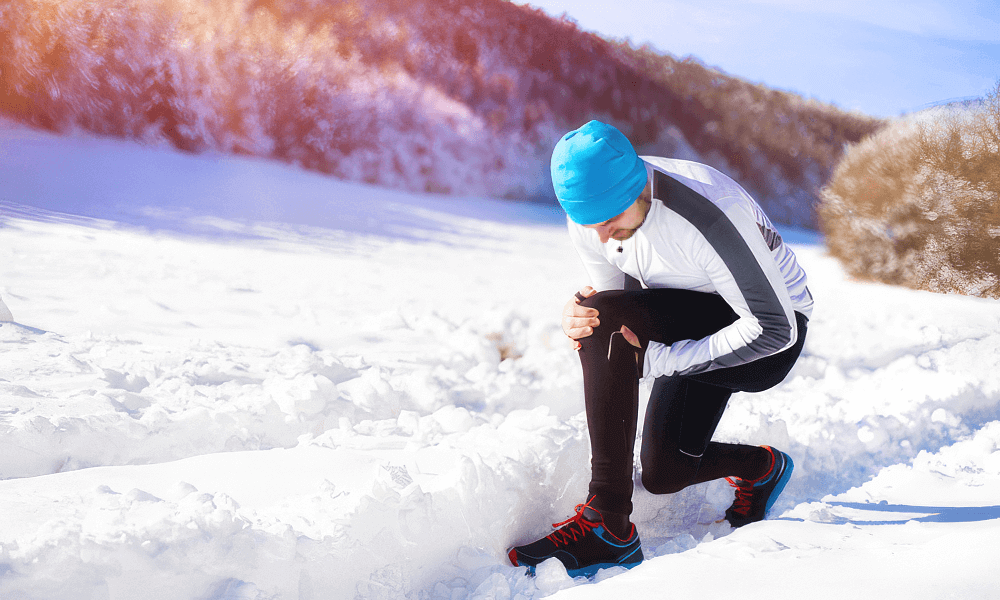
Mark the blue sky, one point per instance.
(882, 57)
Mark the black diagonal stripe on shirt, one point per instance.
(757, 292)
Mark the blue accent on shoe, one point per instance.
(610, 539)
(782, 480)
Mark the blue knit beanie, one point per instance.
(596, 173)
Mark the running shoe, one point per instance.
(582, 544)
(755, 497)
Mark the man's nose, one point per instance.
(604, 232)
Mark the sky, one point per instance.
(880, 57)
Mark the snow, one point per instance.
(230, 379)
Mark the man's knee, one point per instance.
(603, 301)
(607, 304)
(670, 476)
(662, 485)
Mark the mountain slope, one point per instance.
(453, 96)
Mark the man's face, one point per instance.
(624, 226)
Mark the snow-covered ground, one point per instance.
(243, 381)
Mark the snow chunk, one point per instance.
(551, 577)
(5, 316)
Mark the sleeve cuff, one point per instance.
(654, 361)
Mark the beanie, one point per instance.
(596, 173)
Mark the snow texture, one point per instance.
(229, 379)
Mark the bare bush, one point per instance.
(918, 204)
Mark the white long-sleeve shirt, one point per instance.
(705, 233)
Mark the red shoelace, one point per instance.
(573, 528)
(744, 488)
(744, 493)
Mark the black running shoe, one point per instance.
(754, 498)
(582, 545)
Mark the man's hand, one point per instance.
(579, 321)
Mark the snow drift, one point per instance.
(374, 400)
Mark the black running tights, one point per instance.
(683, 411)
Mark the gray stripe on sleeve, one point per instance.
(757, 292)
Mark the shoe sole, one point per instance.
(782, 481)
(588, 571)
(592, 570)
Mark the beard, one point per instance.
(623, 234)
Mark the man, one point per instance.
(691, 285)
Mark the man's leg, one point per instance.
(611, 372)
(600, 534)
(677, 450)
(681, 418)
(763, 373)
(611, 390)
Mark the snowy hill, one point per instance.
(458, 96)
(230, 379)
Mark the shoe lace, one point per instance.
(744, 494)
(744, 488)
(573, 528)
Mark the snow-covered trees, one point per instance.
(453, 96)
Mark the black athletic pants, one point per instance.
(683, 411)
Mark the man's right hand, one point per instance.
(579, 321)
